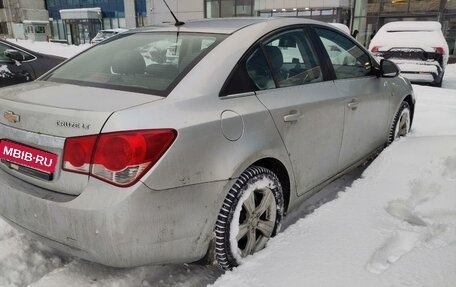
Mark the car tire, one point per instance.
(251, 214)
(401, 123)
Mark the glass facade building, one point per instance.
(334, 11)
(328, 15)
(370, 15)
(78, 31)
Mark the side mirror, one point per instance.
(388, 69)
(14, 55)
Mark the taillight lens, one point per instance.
(375, 49)
(439, 50)
(78, 153)
(120, 158)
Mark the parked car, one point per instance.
(417, 47)
(122, 157)
(105, 34)
(19, 65)
(342, 27)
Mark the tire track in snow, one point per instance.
(432, 230)
(26, 262)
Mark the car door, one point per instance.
(305, 106)
(13, 72)
(365, 96)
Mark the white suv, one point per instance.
(417, 47)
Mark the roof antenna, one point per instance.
(178, 23)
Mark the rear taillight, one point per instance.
(119, 158)
(375, 49)
(439, 50)
(77, 153)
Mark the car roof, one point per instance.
(225, 25)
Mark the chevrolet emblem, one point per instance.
(11, 117)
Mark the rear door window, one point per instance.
(285, 59)
(292, 59)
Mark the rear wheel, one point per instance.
(250, 215)
(401, 123)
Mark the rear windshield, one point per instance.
(142, 62)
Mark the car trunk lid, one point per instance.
(40, 115)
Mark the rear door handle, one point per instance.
(293, 116)
(353, 104)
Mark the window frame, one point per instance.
(311, 47)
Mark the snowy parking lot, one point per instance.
(391, 223)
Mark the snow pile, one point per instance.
(81, 273)
(57, 49)
(23, 261)
(435, 113)
(449, 79)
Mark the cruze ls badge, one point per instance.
(73, 125)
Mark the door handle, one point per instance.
(293, 116)
(353, 104)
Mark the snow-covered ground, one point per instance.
(390, 224)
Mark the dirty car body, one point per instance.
(147, 147)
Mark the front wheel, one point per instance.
(401, 123)
(250, 215)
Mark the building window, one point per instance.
(1, 4)
(228, 8)
(244, 8)
(451, 5)
(395, 6)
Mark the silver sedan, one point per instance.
(173, 144)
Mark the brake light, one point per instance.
(119, 158)
(77, 153)
(439, 50)
(375, 49)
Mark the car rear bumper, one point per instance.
(117, 227)
(424, 72)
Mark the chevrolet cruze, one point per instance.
(173, 144)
